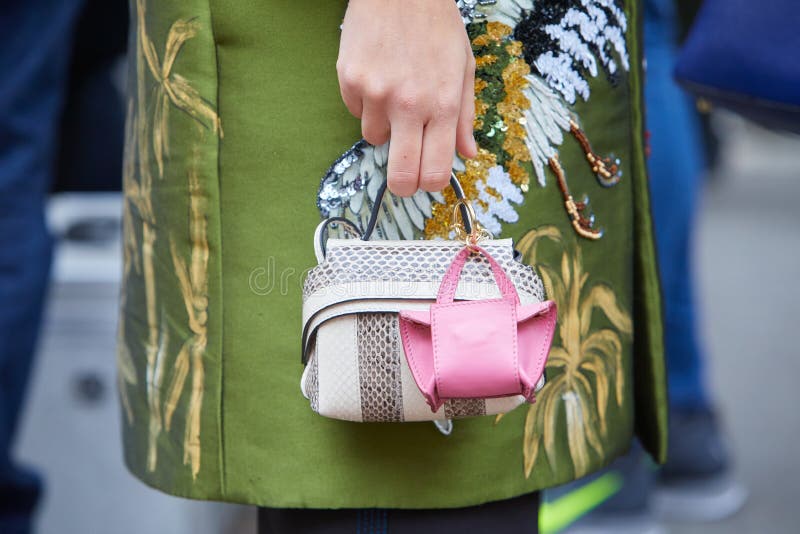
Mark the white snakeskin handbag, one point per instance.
(356, 368)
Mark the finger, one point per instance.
(404, 153)
(438, 144)
(349, 87)
(374, 124)
(465, 136)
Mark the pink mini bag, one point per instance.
(477, 348)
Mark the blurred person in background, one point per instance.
(60, 124)
(35, 52)
(696, 483)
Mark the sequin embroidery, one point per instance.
(533, 60)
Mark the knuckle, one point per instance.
(350, 77)
(354, 111)
(349, 86)
(448, 105)
(408, 101)
(375, 90)
(403, 177)
(374, 136)
(403, 182)
(341, 67)
(435, 180)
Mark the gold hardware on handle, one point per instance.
(478, 232)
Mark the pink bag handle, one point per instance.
(447, 290)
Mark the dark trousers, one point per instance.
(34, 59)
(519, 515)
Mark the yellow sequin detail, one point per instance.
(513, 106)
(477, 169)
(482, 61)
(498, 30)
(511, 110)
(482, 40)
(480, 107)
(514, 48)
(518, 175)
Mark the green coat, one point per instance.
(234, 117)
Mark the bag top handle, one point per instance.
(376, 207)
(321, 234)
(447, 290)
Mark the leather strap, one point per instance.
(322, 230)
(321, 234)
(376, 207)
(447, 290)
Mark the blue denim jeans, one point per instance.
(675, 166)
(34, 58)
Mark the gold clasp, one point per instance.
(477, 234)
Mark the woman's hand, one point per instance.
(406, 70)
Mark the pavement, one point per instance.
(748, 251)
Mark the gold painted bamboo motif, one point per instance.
(158, 88)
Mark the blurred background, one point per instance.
(747, 250)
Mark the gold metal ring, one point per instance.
(477, 232)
